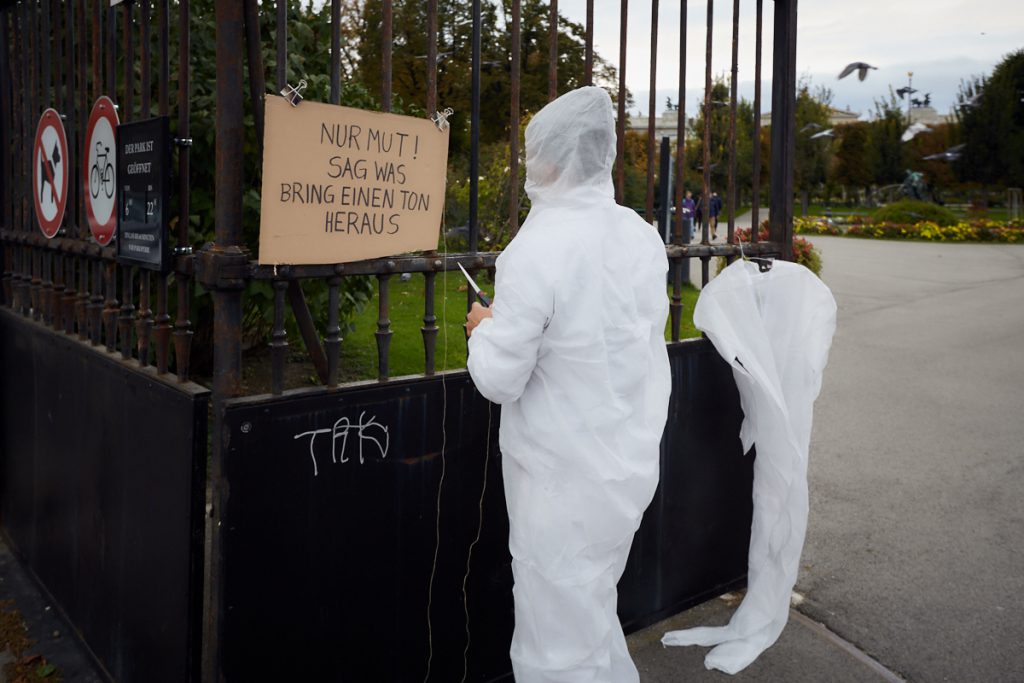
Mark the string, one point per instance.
(444, 441)
(469, 556)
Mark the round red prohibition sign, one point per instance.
(50, 172)
(99, 170)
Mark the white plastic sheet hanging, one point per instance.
(775, 329)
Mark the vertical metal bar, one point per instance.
(282, 44)
(429, 328)
(162, 327)
(783, 130)
(336, 54)
(620, 123)
(144, 57)
(755, 208)
(681, 129)
(129, 63)
(649, 214)
(513, 147)
(307, 329)
(144, 323)
(705, 196)
(227, 249)
(124, 320)
(383, 332)
(110, 51)
(75, 129)
(10, 142)
(95, 306)
(385, 66)
(552, 50)
(588, 59)
(70, 295)
(110, 306)
(731, 187)
(257, 84)
(333, 341)
(278, 339)
(431, 57)
(83, 263)
(97, 63)
(474, 140)
(43, 46)
(183, 275)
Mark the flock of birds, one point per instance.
(914, 129)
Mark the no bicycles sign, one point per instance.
(99, 172)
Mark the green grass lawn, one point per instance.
(359, 349)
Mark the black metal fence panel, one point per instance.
(102, 477)
(364, 542)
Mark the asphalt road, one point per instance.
(915, 549)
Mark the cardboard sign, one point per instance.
(342, 184)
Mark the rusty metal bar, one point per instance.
(110, 50)
(513, 125)
(254, 57)
(97, 62)
(110, 307)
(84, 265)
(43, 48)
(431, 57)
(620, 123)
(651, 102)
(129, 63)
(755, 208)
(182, 276)
(215, 269)
(333, 340)
(429, 328)
(144, 57)
(705, 196)
(731, 185)
(383, 332)
(552, 49)
(474, 142)
(427, 263)
(162, 326)
(144, 322)
(681, 128)
(94, 309)
(124, 320)
(278, 340)
(336, 53)
(282, 44)
(588, 63)
(385, 62)
(783, 130)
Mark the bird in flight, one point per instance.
(823, 134)
(903, 92)
(860, 67)
(810, 126)
(951, 154)
(912, 131)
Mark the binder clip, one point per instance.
(440, 118)
(293, 95)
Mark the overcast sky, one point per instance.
(940, 41)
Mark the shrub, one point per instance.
(910, 211)
(815, 226)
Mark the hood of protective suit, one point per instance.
(570, 149)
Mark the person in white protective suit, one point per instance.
(573, 349)
(775, 329)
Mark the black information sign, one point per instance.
(143, 178)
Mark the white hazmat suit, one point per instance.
(575, 354)
(775, 330)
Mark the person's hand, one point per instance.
(475, 315)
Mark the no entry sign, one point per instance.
(99, 170)
(50, 172)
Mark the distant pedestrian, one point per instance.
(688, 214)
(698, 213)
(716, 208)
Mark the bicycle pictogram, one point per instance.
(104, 178)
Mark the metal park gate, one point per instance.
(386, 559)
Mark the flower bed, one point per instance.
(980, 230)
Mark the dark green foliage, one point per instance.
(886, 148)
(912, 211)
(993, 126)
(853, 155)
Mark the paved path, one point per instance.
(916, 541)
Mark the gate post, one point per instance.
(780, 225)
(221, 268)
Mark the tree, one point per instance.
(886, 153)
(719, 147)
(852, 166)
(812, 154)
(990, 114)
